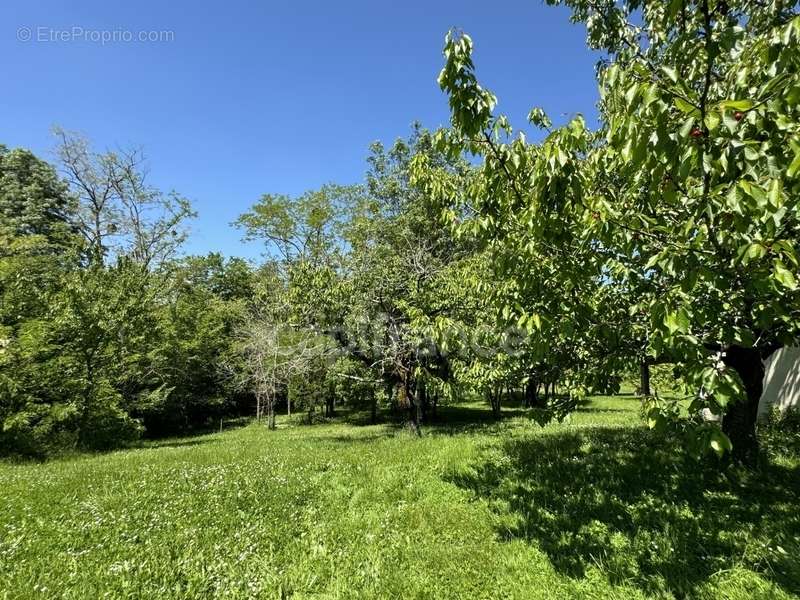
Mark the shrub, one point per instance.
(780, 431)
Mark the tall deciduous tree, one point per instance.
(363, 264)
(119, 212)
(682, 206)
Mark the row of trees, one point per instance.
(362, 299)
(107, 333)
(365, 268)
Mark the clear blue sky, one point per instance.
(270, 96)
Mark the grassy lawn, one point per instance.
(593, 508)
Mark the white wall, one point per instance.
(781, 381)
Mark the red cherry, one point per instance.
(695, 132)
(738, 115)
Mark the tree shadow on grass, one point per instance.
(640, 510)
(598, 410)
(196, 437)
(354, 439)
(173, 443)
(451, 419)
(459, 419)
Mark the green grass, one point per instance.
(595, 507)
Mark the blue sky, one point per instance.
(271, 96)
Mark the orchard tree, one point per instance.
(681, 208)
(304, 246)
(399, 271)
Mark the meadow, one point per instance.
(594, 507)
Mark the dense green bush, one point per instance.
(100, 345)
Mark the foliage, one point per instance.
(186, 384)
(362, 265)
(117, 212)
(33, 200)
(271, 356)
(93, 353)
(670, 229)
(470, 263)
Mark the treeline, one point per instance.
(105, 334)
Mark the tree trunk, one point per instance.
(644, 378)
(422, 400)
(391, 398)
(412, 406)
(373, 416)
(739, 422)
(330, 409)
(494, 400)
(532, 393)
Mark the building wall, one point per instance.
(781, 381)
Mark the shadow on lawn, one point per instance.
(640, 510)
(462, 419)
(353, 439)
(173, 443)
(195, 437)
(450, 419)
(595, 409)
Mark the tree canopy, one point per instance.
(672, 227)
